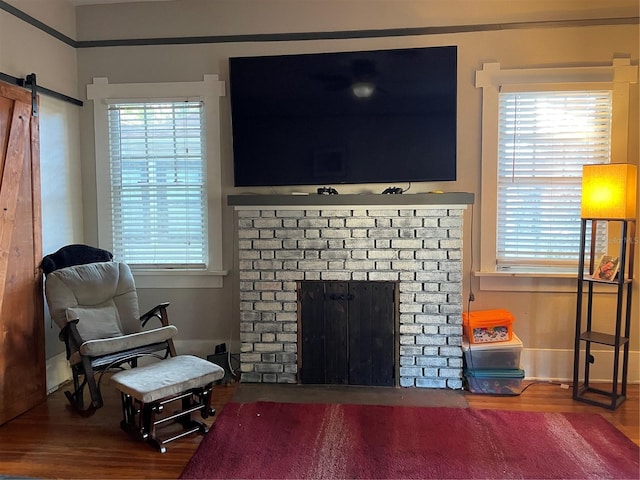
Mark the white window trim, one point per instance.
(209, 90)
(493, 79)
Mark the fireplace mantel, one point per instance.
(314, 200)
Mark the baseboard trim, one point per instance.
(58, 372)
(557, 365)
(538, 363)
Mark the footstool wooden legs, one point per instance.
(185, 381)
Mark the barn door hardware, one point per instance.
(30, 83)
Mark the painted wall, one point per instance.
(24, 50)
(544, 320)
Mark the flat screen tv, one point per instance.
(383, 116)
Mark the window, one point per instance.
(539, 126)
(158, 179)
(544, 139)
(158, 187)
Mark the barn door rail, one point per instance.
(30, 83)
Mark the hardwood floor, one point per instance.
(52, 441)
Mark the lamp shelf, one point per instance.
(618, 319)
(606, 282)
(602, 338)
(583, 394)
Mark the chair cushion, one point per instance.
(94, 348)
(96, 322)
(94, 285)
(167, 378)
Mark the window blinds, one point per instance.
(158, 186)
(544, 140)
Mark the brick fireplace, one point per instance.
(414, 240)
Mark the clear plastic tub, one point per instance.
(495, 382)
(499, 355)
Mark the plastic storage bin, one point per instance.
(495, 382)
(486, 326)
(500, 355)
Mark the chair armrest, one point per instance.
(159, 312)
(71, 337)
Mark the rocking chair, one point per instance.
(94, 302)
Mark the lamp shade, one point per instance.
(609, 191)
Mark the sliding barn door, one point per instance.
(22, 354)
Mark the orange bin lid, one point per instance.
(488, 317)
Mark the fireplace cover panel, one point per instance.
(347, 332)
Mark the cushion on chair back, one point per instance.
(101, 295)
(76, 254)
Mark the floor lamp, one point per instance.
(608, 195)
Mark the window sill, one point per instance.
(514, 281)
(179, 278)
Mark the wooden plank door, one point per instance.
(311, 349)
(347, 333)
(323, 313)
(22, 350)
(371, 333)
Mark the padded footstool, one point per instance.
(146, 390)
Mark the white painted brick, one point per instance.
(312, 244)
(289, 233)
(313, 223)
(411, 371)
(430, 340)
(405, 243)
(286, 316)
(382, 266)
(287, 337)
(268, 306)
(380, 242)
(340, 275)
(267, 264)
(267, 347)
(382, 212)
(410, 350)
(248, 213)
(382, 254)
(410, 329)
(334, 254)
(454, 383)
(431, 383)
(290, 213)
(356, 244)
(406, 222)
(407, 265)
(268, 337)
(383, 233)
(361, 223)
(451, 243)
(359, 265)
(335, 233)
(335, 213)
(251, 337)
(406, 382)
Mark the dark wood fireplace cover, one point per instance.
(348, 332)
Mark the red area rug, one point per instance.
(287, 440)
